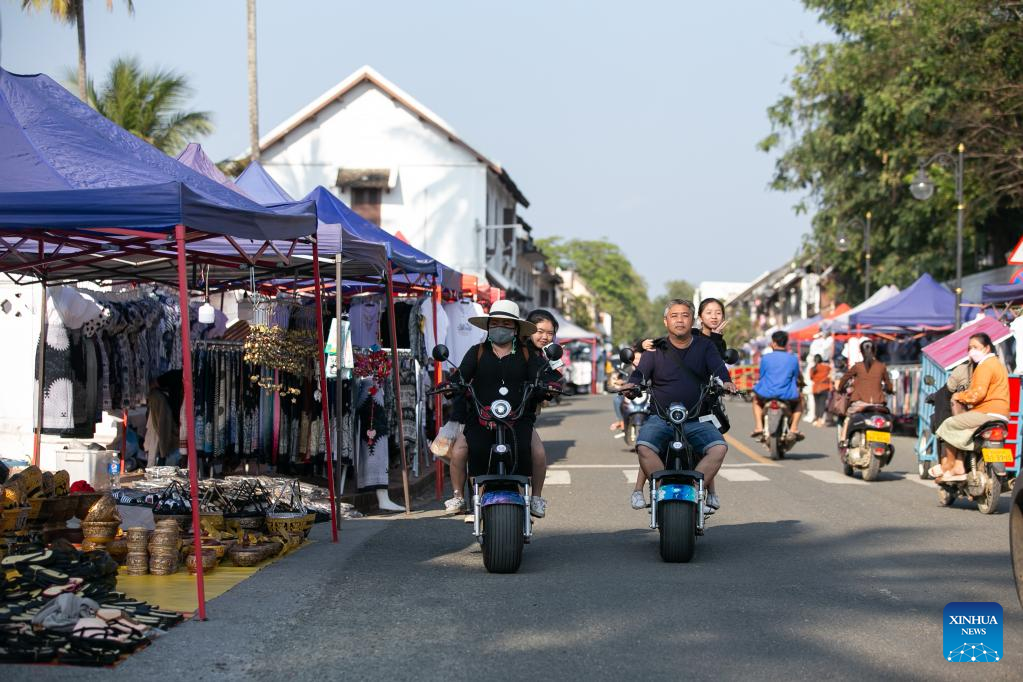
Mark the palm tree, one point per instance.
(148, 104)
(72, 12)
(253, 96)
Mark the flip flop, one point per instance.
(952, 478)
(935, 471)
(39, 558)
(757, 434)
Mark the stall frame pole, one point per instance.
(397, 386)
(322, 364)
(186, 375)
(437, 404)
(339, 386)
(37, 439)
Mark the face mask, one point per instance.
(977, 355)
(501, 336)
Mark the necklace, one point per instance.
(503, 389)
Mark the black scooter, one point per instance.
(500, 499)
(870, 443)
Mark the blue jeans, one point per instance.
(656, 433)
(618, 400)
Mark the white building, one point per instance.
(723, 291)
(401, 166)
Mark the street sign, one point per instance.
(1016, 258)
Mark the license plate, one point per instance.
(879, 437)
(997, 454)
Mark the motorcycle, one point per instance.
(870, 443)
(777, 415)
(500, 500)
(677, 493)
(634, 412)
(985, 469)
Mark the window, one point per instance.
(366, 202)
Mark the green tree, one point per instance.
(72, 12)
(618, 288)
(905, 79)
(149, 104)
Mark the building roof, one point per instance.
(368, 74)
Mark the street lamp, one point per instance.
(843, 245)
(922, 188)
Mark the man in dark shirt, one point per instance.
(676, 371)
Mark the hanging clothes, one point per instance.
(461, 335)
(364, 315)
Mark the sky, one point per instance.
(637, 122)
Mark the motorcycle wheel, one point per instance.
(503, 537)
(776, 445)
(921, 448)
(873, 468)
(677, 527)
(946, 496)
(631, 429)
(989, 503)
(1016, 541)
(846, 467)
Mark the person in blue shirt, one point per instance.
(779, 380)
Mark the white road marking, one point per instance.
(916, 479)
(749, 464)
(835, 477)
(630, 474)
(584, 466)
(741, 475)
(558, 478)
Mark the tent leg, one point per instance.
(437, 377)
(186, 375)
(339, 385)
(324, 402)
(37, 439)
(397, 386)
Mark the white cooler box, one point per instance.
(82, 464)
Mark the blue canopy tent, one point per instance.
(1001, 293)
(924, 305)
(84, 199)
(258, 184)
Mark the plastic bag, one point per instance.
(445, 440)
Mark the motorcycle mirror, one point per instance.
(731, 356)
(440, 352)
(929, 380)
(553, 351)
(626, 355)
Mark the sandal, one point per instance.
(757, 434)
(96, 631)
(39, 558)
(951, 478)
(117, 619)
(79, 653)
(73, 585)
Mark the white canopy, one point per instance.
(840, 324)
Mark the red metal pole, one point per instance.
(397, 385)
(124, 436)
(593, 371)
(323, 389)
(437, 377)
(186, 375)
(37, 438)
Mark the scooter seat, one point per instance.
(989, 425)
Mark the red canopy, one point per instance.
(807, 333)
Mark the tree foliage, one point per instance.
(618, 288)
(905, 79)
(149, 104)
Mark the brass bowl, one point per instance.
(103, 509)
(246, 556)
(100, 529)
(137, 535)
(118, 549)
(209, 561)
(183, 521)
(163, 565)
(283, 523)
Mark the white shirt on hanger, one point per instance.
(442, 325)
(461, 335)
(364, 316)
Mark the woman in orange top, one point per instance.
(820, 375)
(987, 399)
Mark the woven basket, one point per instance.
(247, 520)
(183, 521)
(285, 522)
(13, 519)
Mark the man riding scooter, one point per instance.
(779, 380)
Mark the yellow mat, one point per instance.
(177, 592)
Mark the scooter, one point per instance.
(677, 493)
(777, 415)
(634, 412)
(985, 469)
(870, 443)
(500, 500)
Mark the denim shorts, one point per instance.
(656, 433)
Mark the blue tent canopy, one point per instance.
(1001, 293)
(65, 166)
(925, 304)
(258, 184)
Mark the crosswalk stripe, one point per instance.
(835, 477)
(916, 479)
(741, 475)
(558, 478)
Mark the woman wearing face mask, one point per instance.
(987, 398)
(870, 381)
(546, 331)
(498, 368)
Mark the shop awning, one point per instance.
(925, 304)
(952, 350)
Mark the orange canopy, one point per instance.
(807, 333)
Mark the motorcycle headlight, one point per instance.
(677, 413)
(500, 409)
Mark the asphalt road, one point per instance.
(802, 574)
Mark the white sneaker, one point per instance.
(454, 505)
(638, 501)
(712, 505)
(537, 506)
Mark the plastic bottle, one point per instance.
(114, 470)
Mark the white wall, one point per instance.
(441, 189)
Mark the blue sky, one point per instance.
(636, 121)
